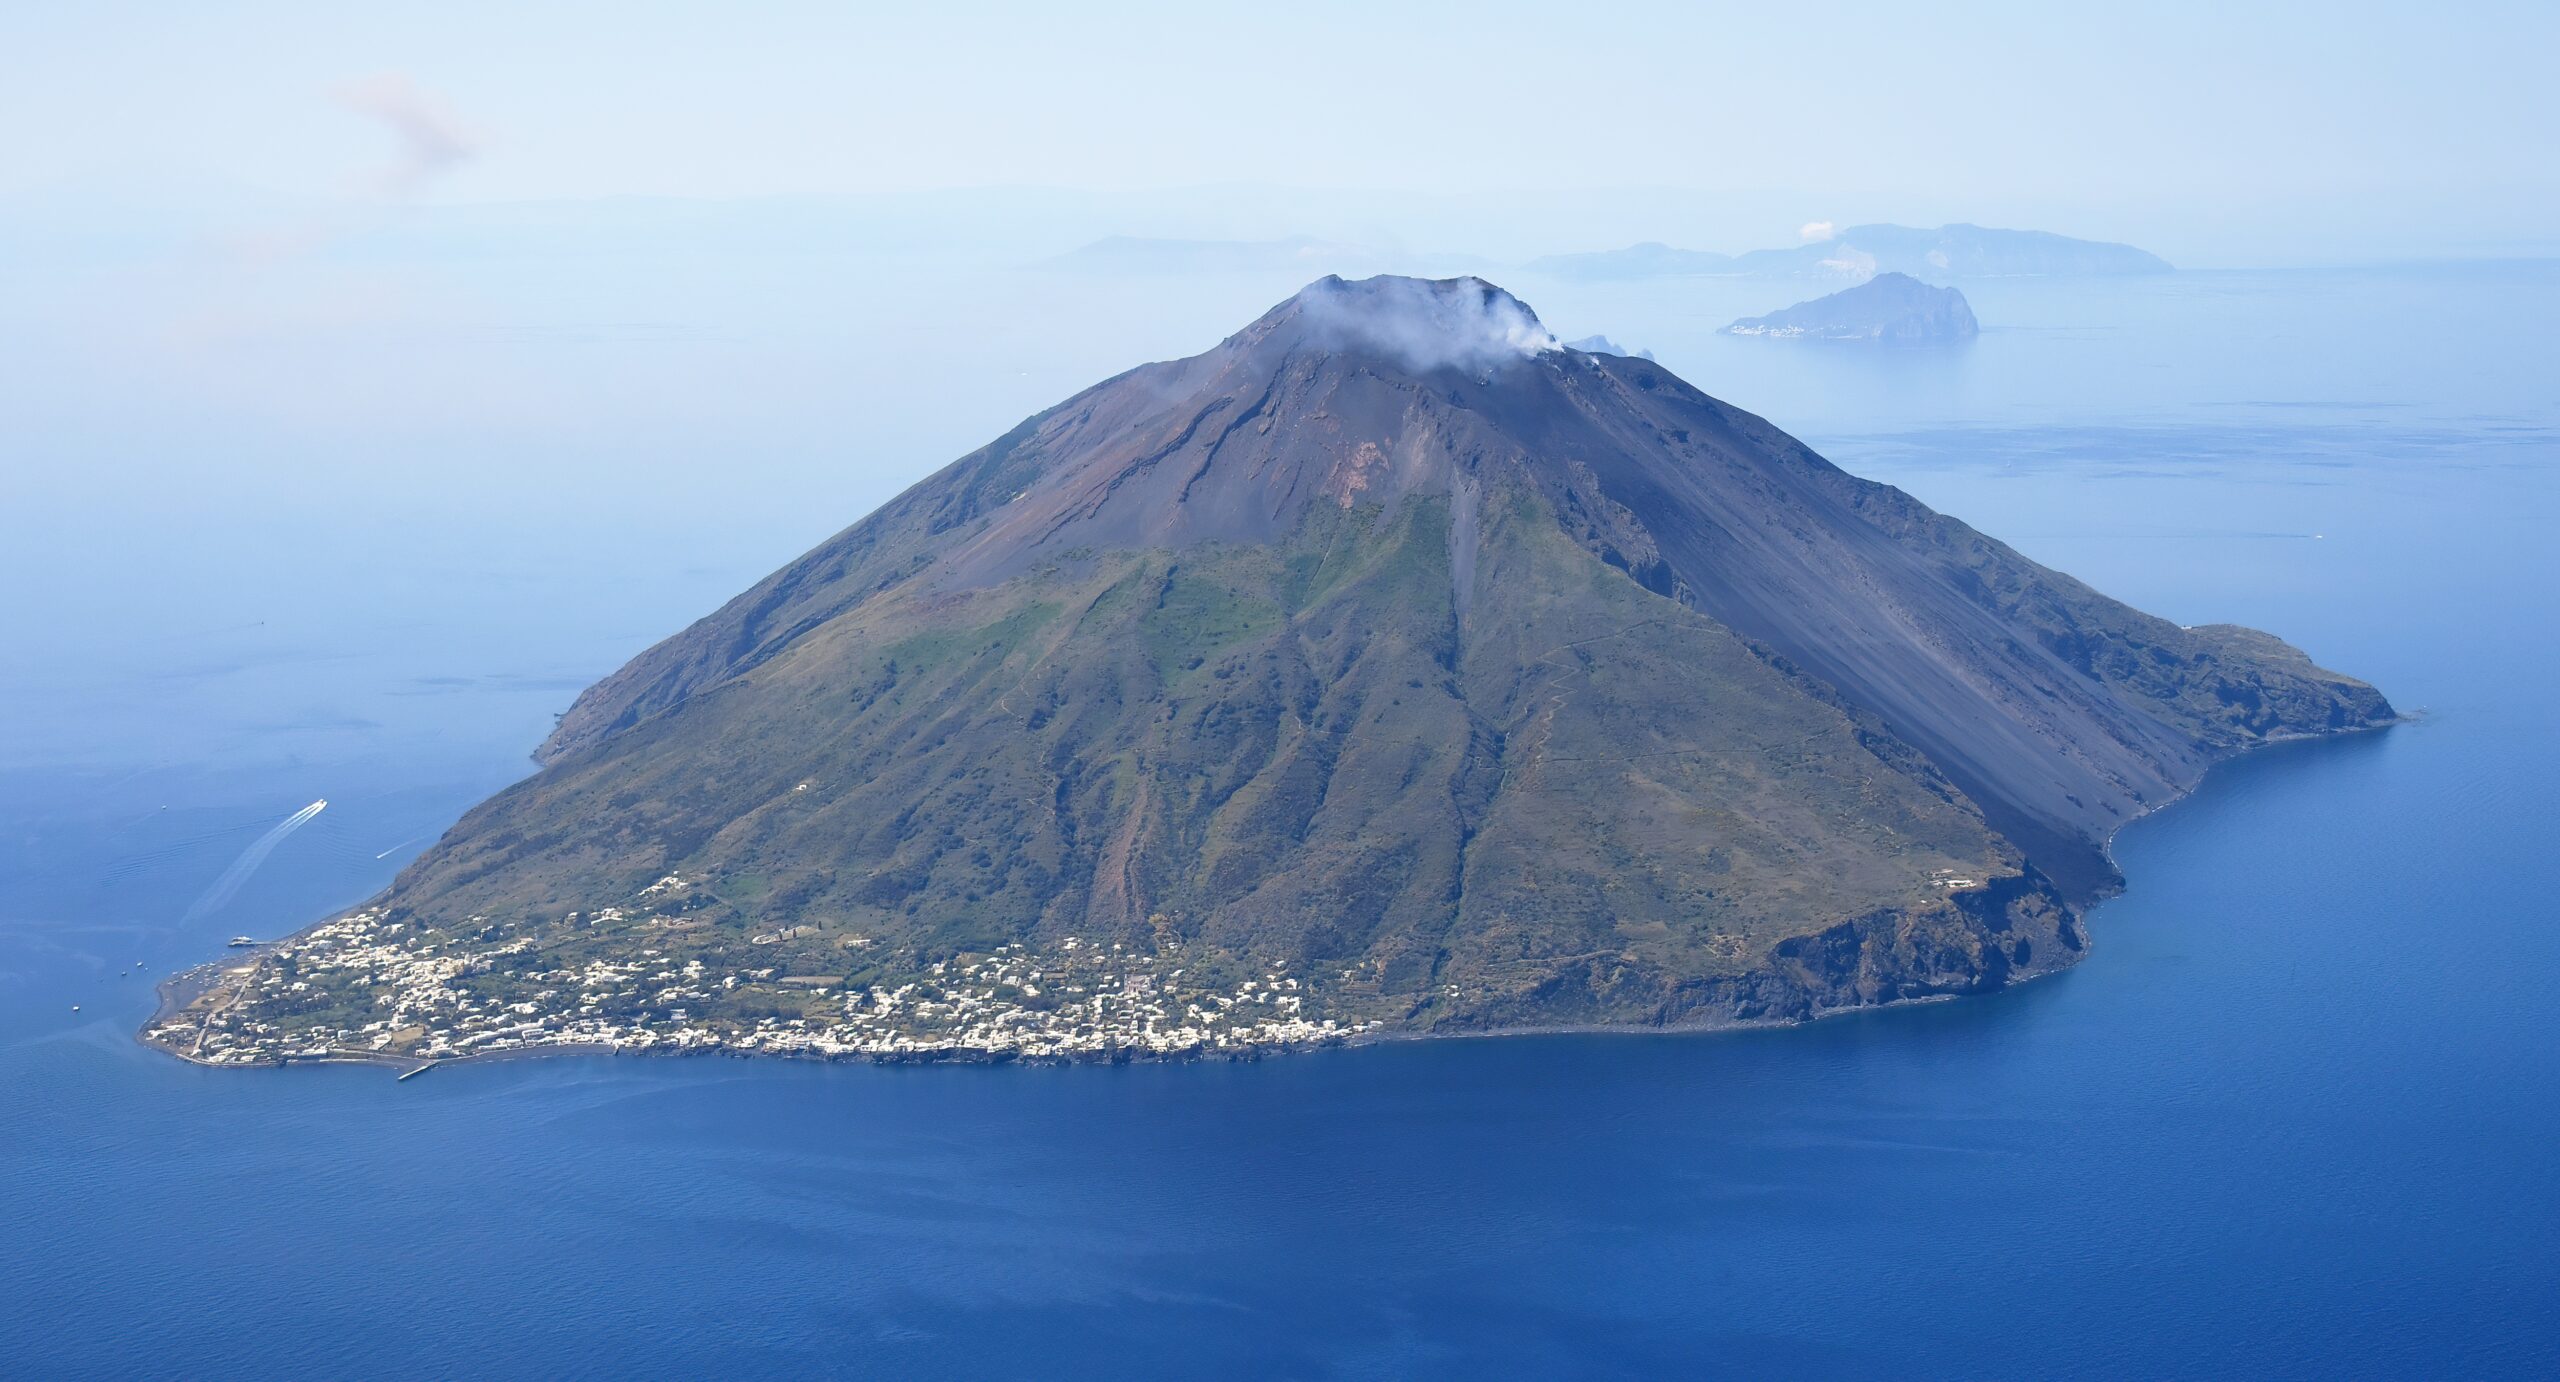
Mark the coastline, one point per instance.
(2107, 846)
(173, 994)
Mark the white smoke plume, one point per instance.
(1817, 231)
(1425, 324)
(249, 860)
(1851, 262)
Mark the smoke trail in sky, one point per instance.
(249, 860)
(430, 140)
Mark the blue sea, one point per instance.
(2297, 1115)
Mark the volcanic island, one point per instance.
(1390, 669)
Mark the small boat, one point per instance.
(243, 940)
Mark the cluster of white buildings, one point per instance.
(386, 989)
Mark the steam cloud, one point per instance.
(1851, 263)
(1462, 323)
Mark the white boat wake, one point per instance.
(249, 860)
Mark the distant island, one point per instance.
(1293, 255)
(1652, 259)
(1948, 252)
(1893, 308)
(1390, 669)
(1602, 345)
(1141, 254)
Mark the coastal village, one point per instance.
(366, 987)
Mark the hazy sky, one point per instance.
(282, 344)
(2439, 116)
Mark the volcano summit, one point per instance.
(1388, 668)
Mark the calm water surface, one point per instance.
(2295, 1117)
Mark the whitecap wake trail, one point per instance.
(249, 861)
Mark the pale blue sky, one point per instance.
(2439, 125)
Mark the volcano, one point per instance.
(1387, 668)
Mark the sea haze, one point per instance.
(2292, 1118)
